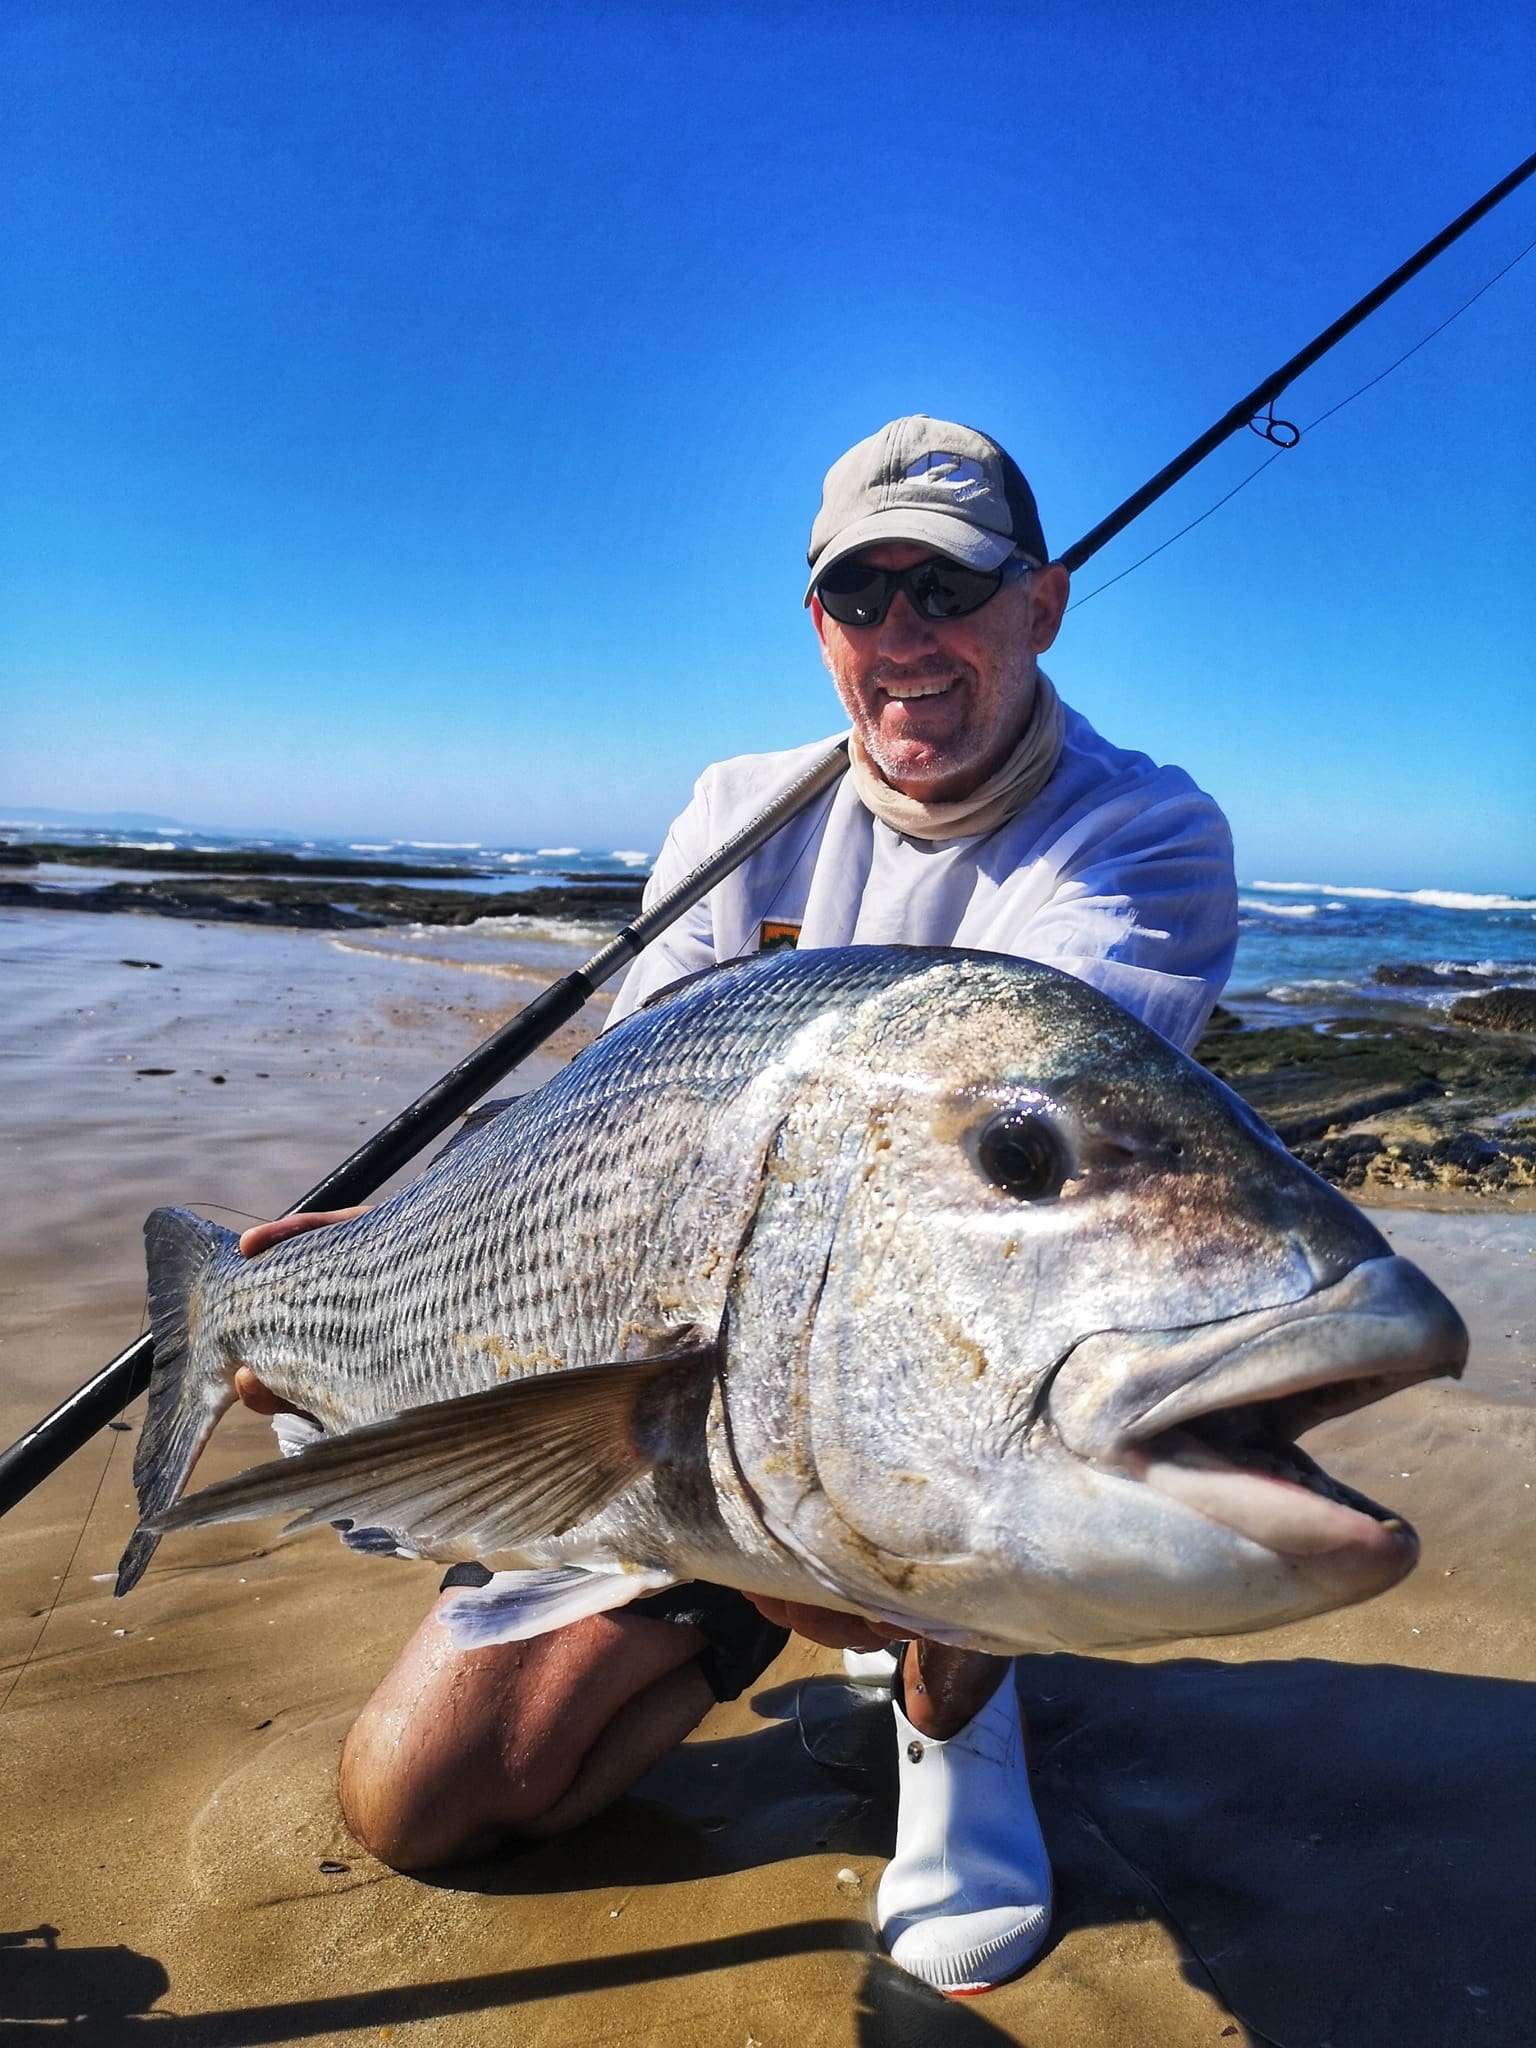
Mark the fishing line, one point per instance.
(1285, 436)
(26, 1662)
(115, 1428)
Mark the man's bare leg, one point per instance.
(945, 1688)
(456, 1750)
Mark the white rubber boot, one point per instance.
(965, 1902)
(872, 1667)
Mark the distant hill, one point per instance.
(13, 816)
(102, 821)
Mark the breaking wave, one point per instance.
(1434, 899)
(1277, 909)
(568, 931)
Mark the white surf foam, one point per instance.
(1263, 909)
(558, 930)
(1434, 899)
(557, 852)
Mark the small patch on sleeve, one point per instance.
(777, 935)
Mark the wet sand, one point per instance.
(1317, 1835)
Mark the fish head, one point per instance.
(1075, 1304)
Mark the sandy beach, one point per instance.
(1313, 1838)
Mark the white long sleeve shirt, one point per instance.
(1120, 872)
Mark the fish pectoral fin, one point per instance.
(490, 1471)
(512, 1606)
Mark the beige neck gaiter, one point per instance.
(1012, 785)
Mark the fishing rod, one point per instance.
(33, 1456)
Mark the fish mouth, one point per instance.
(1209, 1417)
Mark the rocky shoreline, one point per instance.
(307, 894)
(183, 860)
(1396, 1108)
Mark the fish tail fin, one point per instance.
(192, 1382)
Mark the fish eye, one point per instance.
(1021, 1154)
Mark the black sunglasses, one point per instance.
(857, 594)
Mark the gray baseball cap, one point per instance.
(940, 485)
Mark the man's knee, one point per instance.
(416, 1805)
(455, 1752)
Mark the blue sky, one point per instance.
(414, 414)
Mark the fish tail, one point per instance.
(193, 1380)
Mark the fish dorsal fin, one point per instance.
(476, 1119)
(485, 1472)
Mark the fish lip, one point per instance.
(1383, 1326)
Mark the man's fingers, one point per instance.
(823, 1624)
(262, 1236)
(259, 1399)
(253, 1242)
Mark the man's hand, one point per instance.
(260, 1238)
(823, 1624)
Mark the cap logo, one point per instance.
(959, 475)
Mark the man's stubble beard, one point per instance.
(965, 749)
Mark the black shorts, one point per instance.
(741, 1642)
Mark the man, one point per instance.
(978, 811)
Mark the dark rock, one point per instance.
(1501, 1009)
(333, 906)
(184, 860)
(1222, 1019)
(1449, 1110)
(1418, 974)
(138, 963)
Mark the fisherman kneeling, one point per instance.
(979, 811)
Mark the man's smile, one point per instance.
(905, 693)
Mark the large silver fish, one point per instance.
(929, 1285)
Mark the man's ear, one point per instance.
(819, 621)
(1049, 590)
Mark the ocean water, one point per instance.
(1307, 951)
(1313, 949)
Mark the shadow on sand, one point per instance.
(1342, 1853)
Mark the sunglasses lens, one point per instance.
(946, 590)
(854, 594)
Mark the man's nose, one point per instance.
(904, 633)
